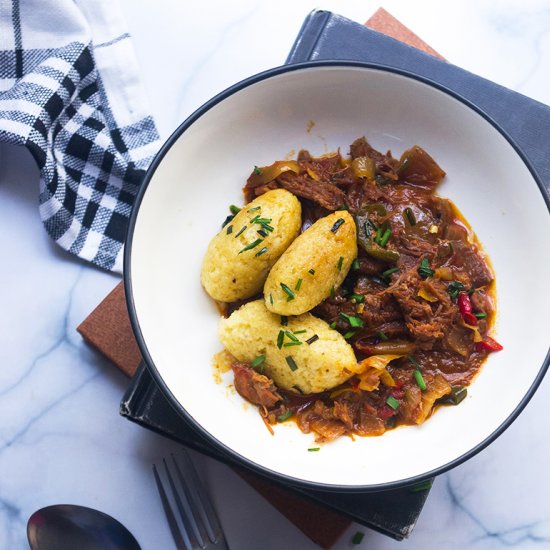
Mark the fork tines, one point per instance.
(190, 514)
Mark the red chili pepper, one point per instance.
(489, 345)
(465, 307)
(385, 411)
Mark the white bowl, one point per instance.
(202, 169)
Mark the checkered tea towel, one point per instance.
(70, 93)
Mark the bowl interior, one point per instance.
(323, 109)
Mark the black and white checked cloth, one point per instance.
(70, 93)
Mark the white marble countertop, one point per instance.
(61, 437)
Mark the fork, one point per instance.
(193, 520)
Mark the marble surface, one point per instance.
(61, 438)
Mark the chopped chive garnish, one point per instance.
(271, 298)
(388, 272)
(358, 298)
(257, 170)
(229, 230)
(284, 416)
(357, 538)
(451, 248)
(262, 251)
(267, 227)
(310, 341)
(419, 380)
(312, 271)
(254, 209)
(339, 264)
(261, 221)
(385, 238)
(349, 334)
(422, 486)
(353, 320)
(289, 344)
(457, 395)
(424, 270)
(257, 361)
(291, 336)
(299, 331)
(234, 209)
(284, 320)
(240, 232)
(337, 224)
(280, 338)
(251, 245)
(333, 325)
(291, 363)
(262, 233)
(355, 264)
(381, 334)
(454, 289)
(227, 220)
(314, 449)
(392, 402)
(410, 216)
(414, 362)
(298, 284)
(331, 292)
(288, 292)
(480, 315)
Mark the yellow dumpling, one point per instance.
(312, 266)
(240, 256)
(304, 353)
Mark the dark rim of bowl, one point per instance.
(233, 455)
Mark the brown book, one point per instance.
(108, 329)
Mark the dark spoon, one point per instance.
(67, 526)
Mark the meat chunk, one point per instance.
(468, 259)
(361, 193)
(426, 322)
(482, 302)
(370, 266)
(255, 387)
(380, 309)
(320, 419)
(325, 194)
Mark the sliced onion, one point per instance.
(269, 173)
(363, 167)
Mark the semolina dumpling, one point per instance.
(240, 256)
(320, 361)
(312, 266)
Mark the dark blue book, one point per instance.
(325, 36)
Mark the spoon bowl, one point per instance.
(68, 526)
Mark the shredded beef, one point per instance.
(370, 266)
(361, 193)
(325, 194)
(255, 387)
(320, 419)
(467, 258)
(426, 322)
(323, 168)
(379, 309)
